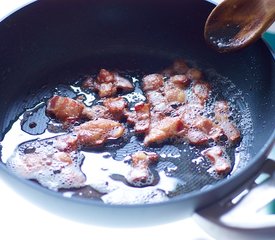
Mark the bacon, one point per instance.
(196, 137)
(116, 106)
(152, 82)
(181, 81)
(53, 165)
(197, 129)
(66, 143)
(123, 84)
(222, 115)
(173, 89)
(208, 127)
(97, 132)
(201, 91)
(140, 118)
(95, 112)
(164, 129)
(107, 83)
(219, 159)
(65, 109)
(140, 173)
(194, 74)
(178, 67)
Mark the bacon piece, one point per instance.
(181, 81)
(196, 137)
(140, 118)
(222, 115)
(96, 111)
(97, 132)
(116, 106)
(66, 143)
(164, 129)
(140, 174)
(208, 127)
(219, 159)
(152, 82)
(123, 84)
(174, 89)
(108, 83)
(194, 74)
(88, 83)
(157, 100)
(201, 91)
(65, 109)
(179, 67)
(50, 162)
(197, 129)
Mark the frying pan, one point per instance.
(46, 42)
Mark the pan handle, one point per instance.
(242, 215)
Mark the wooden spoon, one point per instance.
(234, 24)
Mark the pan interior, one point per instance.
(180, 170)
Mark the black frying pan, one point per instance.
(52, 42)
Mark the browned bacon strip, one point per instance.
(152, 82)
(219, 159)
(174, 89)
(197, 129)
(97, 132)
(179, 67)
(140, 118)
(116, 106)
(222, 115)
(194, 74)
(95, 112)
(107, 83)
(201, 91)
(163, 129)
(65, 109)
(140, 174)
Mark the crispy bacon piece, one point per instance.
(219, 159)
(66, 143)
(179, 67)
(166, 128)
(97, 132)
(197, 129)
(152, 82)
(54, 165)
(201, 91)
(65, 109)
(174, 89)
(95, 112)
(123, 84)
(116, 106)
(105, 84)
(69, 110)
(179, 80)
(108, 83)
(140, 174)
(140, 118)
(208, 127)
(196, 137)
(157, 101)
(194, 74)
(222, 115)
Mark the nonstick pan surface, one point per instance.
(50, 44)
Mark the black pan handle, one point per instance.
(241, 214)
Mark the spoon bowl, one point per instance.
(234, 24)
